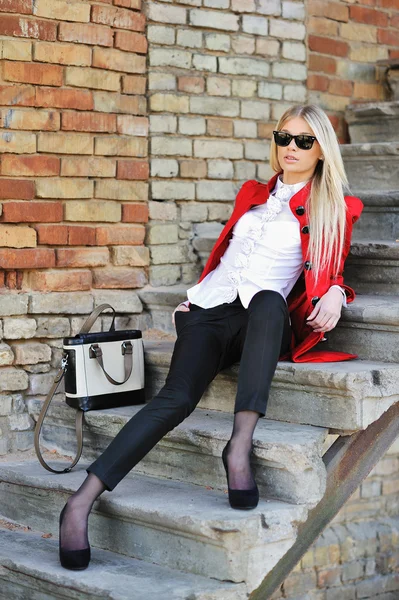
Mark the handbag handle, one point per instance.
(92, 318)
(87, 325)
(127, 351)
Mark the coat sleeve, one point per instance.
(354, 210)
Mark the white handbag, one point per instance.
(101, 370)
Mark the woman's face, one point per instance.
(303, 162)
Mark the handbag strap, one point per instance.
(78, 424)
(87, 325)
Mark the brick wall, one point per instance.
(221, 73)
(345, 39)
(357, 555)
(73, 183)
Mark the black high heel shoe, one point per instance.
(77, 560)
(241, 499)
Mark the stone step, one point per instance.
(372, 267)
(369, 327)
(380, 217)
(169, 523)
(287, 458)
(373, 121)
(29, 568)
(343, 396)
(375, 163)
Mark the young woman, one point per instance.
(271, 289)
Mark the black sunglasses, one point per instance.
(303, 141)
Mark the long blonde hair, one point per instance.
(326, 207)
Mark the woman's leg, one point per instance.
(197, 357)
(266, 336)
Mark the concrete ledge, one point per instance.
(343, 396)
(287, 463)
(181, 526)
(29, 567)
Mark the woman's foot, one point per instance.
(73, 533)
(243, 491)
(74, 547)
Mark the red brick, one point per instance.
(323, 26)
(17, 95)
(131, 41)
(13, 280)
(132, 169)
(394, 22)
(220, 127)
(334, 120)
(90, 121)
(27, 258)
(336, 11)
(323, 64)
(18, 6)
(32, 73)
(129, 125)
(64, 98)
(118, 17)
(133, 84)
(389, 4)
(341, 87)
(128, 3)
(135, 212)
(316, 7)
(82, 257)
(17, 189)
(32, 212)
(29, 120)
(28, 28)
(127, 235)
(56, 235)
(31, 165)
(317, 82)
(193, 85)
(371, 16)
(393, 53)
(388, 37)
(86, 33)
(328, 46)
(81, 235)
(119, 277)
(60, 281)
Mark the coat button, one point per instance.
(315, 300)
(305, 229)
(307, 265)
(300, 210)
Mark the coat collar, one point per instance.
(260, 194)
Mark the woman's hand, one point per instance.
(182, 307)
(327, 311)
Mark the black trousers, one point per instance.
(208, 340)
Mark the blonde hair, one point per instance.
(326, 207)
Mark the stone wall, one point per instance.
(221, 73)
(345, 40)
(74, 191)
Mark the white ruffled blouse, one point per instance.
(264, 253)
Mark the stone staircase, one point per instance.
(167, 530)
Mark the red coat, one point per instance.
(304, 291)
